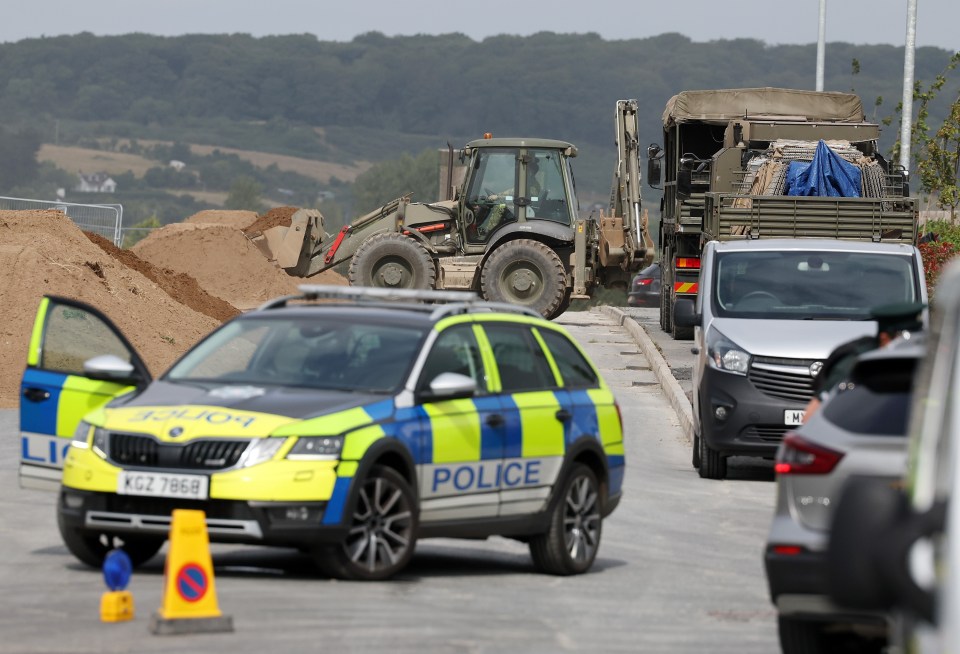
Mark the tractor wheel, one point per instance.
(564, 305)
(527, 273)
(392, 260)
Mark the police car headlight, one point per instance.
(259, 451)
(81, 436)
(317, 447)
(724, 354)
(101, 442)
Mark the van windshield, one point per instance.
(810, 285)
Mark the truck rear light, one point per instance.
(688, 263)
(800, 457)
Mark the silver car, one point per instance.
(859, 430)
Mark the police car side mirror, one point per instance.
(109, 367)
(449, 386)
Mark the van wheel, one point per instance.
(713, 465)
(382, 534)
(91, 547)
(570, 544)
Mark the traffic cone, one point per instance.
(189, 603)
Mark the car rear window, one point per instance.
(860, 410)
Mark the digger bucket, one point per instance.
(285, 245)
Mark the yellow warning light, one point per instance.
(487, 135)
(189, 595)
(116, 606)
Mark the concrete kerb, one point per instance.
(671, 387)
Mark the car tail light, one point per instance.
(800, 457)
(787, 550)
(644, 282)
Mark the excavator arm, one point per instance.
(625, 240)
(304, 249)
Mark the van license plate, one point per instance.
(793, 417)
(160, 484)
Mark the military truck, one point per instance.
(510, 230)
(723, 164)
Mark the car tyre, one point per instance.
(570, 544)
(800, 636)
(713, 464)
(392, 260)
(696, 451)
(91, 547)
(382, 531)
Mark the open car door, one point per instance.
(61, 384)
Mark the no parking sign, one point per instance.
(192, 582)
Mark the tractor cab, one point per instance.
(510, 182)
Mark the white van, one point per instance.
(768, 314)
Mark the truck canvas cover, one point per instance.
(723, 105)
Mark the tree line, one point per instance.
(377, 98)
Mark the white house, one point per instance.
(96, 183)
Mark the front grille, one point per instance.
(768, 433)
(786, 379)
(148, 452)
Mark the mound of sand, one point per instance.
(276, 217)
(224, 261)
(44, 252)
(180, 286)
(239, 219)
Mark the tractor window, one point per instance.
(492, 193)
(545, 188)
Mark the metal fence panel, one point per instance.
(103, 219)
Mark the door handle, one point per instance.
(36, 394)
(495, 420)
(563, 415)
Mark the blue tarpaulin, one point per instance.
(828, 175)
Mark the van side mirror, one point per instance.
(685, 313)
(871, 534)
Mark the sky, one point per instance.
(771, 21)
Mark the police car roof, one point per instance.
(413, 306)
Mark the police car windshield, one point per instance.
(810, 285)
(312, 352)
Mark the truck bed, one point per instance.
(730, 216)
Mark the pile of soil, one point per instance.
(181, 286)
(224, 261)
(44, 252)
(276, 217)
(239, 219)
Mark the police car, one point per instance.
(348, 428)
